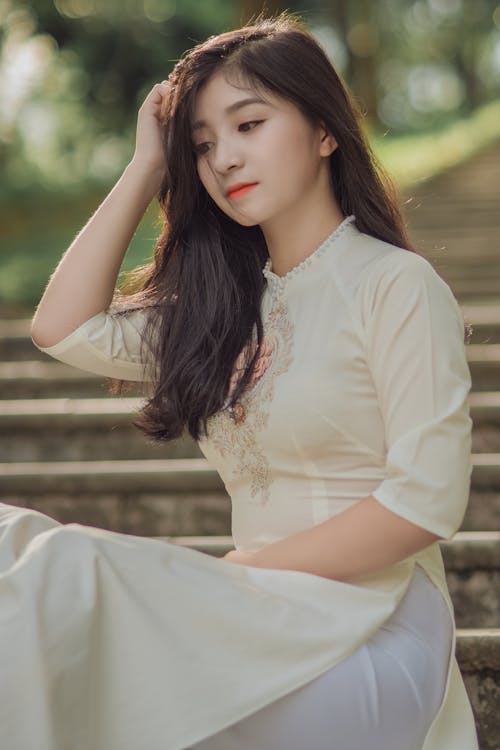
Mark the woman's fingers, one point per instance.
(157, 93)
(148, 148)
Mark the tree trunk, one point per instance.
(363, 41)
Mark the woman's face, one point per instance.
(267, 143)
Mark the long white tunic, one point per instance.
(362, 389)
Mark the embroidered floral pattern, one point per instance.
(237, 434)
(261, 365)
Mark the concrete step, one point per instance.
(152, 475)
(486, 471)
(467, 290)
(15, 340)
(460, 271)
(136, 510)
(485, 413)
(478, 656)
(472, 562)
(443, 247)
(441, 231)
(483, 511)
(479, 175)
(433, 196)
(16, 344)
(484, 364)
(87, 429)
(472, 241)
(158, 475)
(37, 379)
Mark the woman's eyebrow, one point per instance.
(232, 108)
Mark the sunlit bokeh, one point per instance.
(426, 74)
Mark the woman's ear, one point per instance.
(328, 143)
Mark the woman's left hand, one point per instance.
(242, 558)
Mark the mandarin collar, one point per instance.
(279, 284)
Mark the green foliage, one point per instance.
(37, 226)
(412, 158)
(74, 73)
(37, 230)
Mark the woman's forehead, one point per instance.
(229, 92)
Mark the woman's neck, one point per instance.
(293, 235)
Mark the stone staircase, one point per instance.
(70, 450)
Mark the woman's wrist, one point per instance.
(241, 558)
(149, 177)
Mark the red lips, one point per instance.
(239, 186)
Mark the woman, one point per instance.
(287, 322)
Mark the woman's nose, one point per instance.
(225, 155)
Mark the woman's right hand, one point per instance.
(148, 152)
(83, 283)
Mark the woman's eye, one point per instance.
(250, 122)
(199, 148)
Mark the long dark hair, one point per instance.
(205, 283)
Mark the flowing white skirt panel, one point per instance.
(113, 642)
(383, 697)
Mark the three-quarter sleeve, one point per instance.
(414, 337)
(108, 344)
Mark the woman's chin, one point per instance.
(244, 221)
(247, 222)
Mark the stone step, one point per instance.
(466, 290)
(16, 344)
(484, 364)
(69, 429)
(472, 562)
(428, 197)
(139, 511)
(483, 511)
(152, 475)
(62, 413)
(459, 270)
(436, 226)
(478, 174)
(478, 657)
(486, 472)
(87, 429)
(443, 247)
(436, 193)
(37, 379)
(157, 476)
(485, 413)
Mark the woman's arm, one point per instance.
(358, 541)
(84, 281)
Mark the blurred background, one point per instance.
(74, 72)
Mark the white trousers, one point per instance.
(382, 697)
